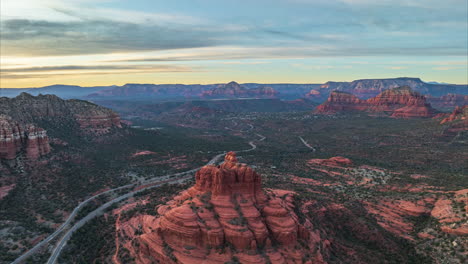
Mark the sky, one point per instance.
(113, 42)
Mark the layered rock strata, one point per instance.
(399, 102)
(235, 90)
(15, 137)
(28, 109)
(225, 216)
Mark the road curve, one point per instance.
(75, 211)
(62, 242)
(65, 224)
(307, 144)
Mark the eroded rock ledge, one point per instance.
(225, 216)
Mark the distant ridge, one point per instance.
(363, 88)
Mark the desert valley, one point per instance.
(101, 178)
(234, 132)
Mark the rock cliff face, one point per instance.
(368, 88)
(225, 216)
(448, 101)
(37, 142)
(134, 90)
(26, 108)
(20, 119)
(15, 138)
(341, 102)
(401, 102)
(235, 90)
(264, 91)
(457, 120)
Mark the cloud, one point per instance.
(40, 37)
(294, 52)
(397, 67)
(446, 68)
(94, 67)
(74, 70)
(245, 62)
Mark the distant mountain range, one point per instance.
(363, 89)
(400, 102)
(368, 88)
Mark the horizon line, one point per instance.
(215, 83)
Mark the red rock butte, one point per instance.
(225, 216)
(401, 102)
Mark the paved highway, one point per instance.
(307, 144)
(63, 241)
(155, 181)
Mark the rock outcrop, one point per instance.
(28, 109)
(341, 102)
(449, 101)
(457, 120)
(37, 142)
(23, 121)
(401, 102)
(367, 88)
(235, 90)
(225, 216)
(14, 138)
(264, 91)
(459, 113)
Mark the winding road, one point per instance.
(307, 144)
(150, 183)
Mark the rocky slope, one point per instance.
(22, 121)
(401, 102)
(457, 120)
(26, 108)
(235, 90)
(367, 88)
(449, 101)
(341, 102)
(162, 91)
(226, 216)
(15, 138)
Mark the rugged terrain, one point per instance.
(368, 88)
(448, 102)
(225, 216)
(364, 89)
(457, 121)
(21, 119)
(400, 102)
(235, 90)
(55, 153)
(361, 181)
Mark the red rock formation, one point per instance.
(457, 114)
(399, 102)
(367, 88)
(457, 120)
(341, 102)
(37, 142)
(315, 95)
(448, 101)
(11, 138)
(15, 137)
(264, 91)
(98, 122)
(30, 109)
(333, 161)
(225, 214)
(235, 90)
(452, 221)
